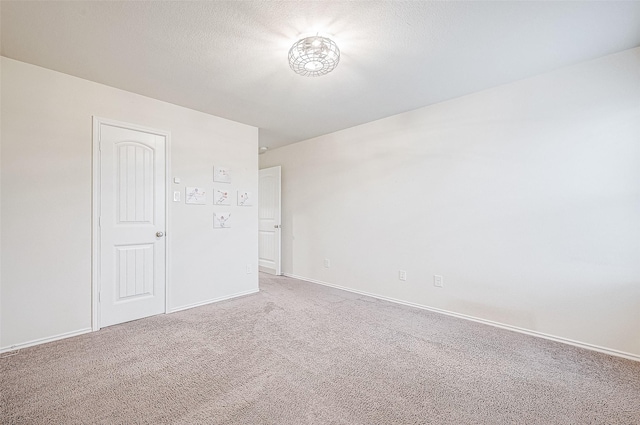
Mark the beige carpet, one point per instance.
(299, 353)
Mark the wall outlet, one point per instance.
(402, 275)
(438, 280)
(327, 263)
(248, 268)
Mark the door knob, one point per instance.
(159, 234)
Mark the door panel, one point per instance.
(135, 183)
(134, 271)
(132, 224)
(269, 228)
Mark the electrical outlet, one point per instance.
(402, 275)
(438, 281)
(248, 268)
(327, 263)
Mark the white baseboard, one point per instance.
(214, 300)
(87, 330)
(44, 340)
(268, 270)
(587, 346)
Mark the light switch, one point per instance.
(176, 180)
(176, 196)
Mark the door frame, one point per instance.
(95, 211)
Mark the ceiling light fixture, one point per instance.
(314, 56)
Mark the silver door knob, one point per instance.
(159, 234)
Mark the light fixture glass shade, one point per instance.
(314, 56)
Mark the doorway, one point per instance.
(269, 217)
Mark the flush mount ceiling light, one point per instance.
(314, 56)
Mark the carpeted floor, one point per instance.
(298, 353)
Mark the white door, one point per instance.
(131, 267)
(269, 220)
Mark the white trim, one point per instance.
(279, 229)
(269, 270)
(215, 300)
(167, 216)
(95, 233)
(579, 344)
(95, 209)
(87, 330)
(44, 340)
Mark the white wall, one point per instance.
(525, 197)
(46, 200)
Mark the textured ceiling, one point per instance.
(230, 58)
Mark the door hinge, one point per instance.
(99, 296)
(100, 221)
